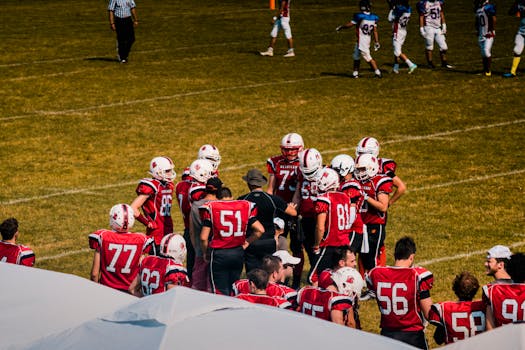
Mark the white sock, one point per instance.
(409, 63)
(378, 72)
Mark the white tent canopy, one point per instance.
(187, 319)
(508, 337)
(37, 302)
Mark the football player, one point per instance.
(486, 29)
(310, 165)
(283, 171)
(160, 273)
(399, 16)
(518, 10)
(155, 197)
(505, 297)
(224, 226)
(432, 27)
(335, 302)
(457, 320)
(344, 165)
(118, 251)
(281, 21)
(403, 295)
(366, 23)
(342, 257)
(335, 216)
(376, 191)
(369, 145)
(10, 251)
(257, 284)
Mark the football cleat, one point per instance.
(447, 65)
(268, 52)
(431, 65)
(290, 53)
(412, 68)
(509, 75)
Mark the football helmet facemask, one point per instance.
(211, 153)
(173, 246)
(121, 218)
(310, 163)
(162, 168)
(366, 167)
(364, 5)
(348, 281)
(291, 145)
(367, 145)
(201, 170)
(328, 180)
(343, 164)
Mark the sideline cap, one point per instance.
(499, 252)
(286, 258)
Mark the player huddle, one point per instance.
(337, 214)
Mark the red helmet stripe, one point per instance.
(125, 219)
(365, 141)
(305, 158)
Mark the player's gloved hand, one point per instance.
(391, 16)
(377, 46)
(490, 35)
(316, 250)
(152, 225)
(365, 197)
(338, 29)
(422, 31)
(444, 28)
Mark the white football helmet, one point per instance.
(201, 170)
(366, 167)
(310, 163)
(367, 145)
(173, 246)
(348, 281)
(343, 164)
(211, 153)
(328, 180)
(161, 168)
(291, 145)
(121, 218)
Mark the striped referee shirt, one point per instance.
(121, 8)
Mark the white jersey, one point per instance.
(431, 10)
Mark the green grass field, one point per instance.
(78, 129)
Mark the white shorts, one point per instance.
(485, 45)
(362, 49)
(435, 34)
(284, 23)
(398, 40)
(519, 41)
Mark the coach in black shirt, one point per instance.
(268, 207)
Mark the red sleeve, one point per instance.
(321, 207)
(385, 186)
(145, 187)
(434, 315)
(95, 241)
(270, 166)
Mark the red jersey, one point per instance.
(373, 187)
(16, 254)
(353, 189)
(273, 289)
(387, 167)
(285, 173)
(196, 192)
(319, 302)
(158, 206)
(460, 319)
(336, 205)
(157, 272)
(119, 256)
(507, 301)
(398, 291)
(182, 192)
(323, 279)
(229, 221)
(308, 196)
(266, 300)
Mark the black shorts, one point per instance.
(414, 338)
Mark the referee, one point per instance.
(268, 207)
(122, 20)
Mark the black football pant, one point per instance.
(306, 239)
(125, 36)
(190, 256)
(256, 251)
(225, 268)
(376, 239)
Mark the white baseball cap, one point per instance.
(279, 223)
(286, 258)
(499, 252)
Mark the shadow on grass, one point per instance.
(105, 59)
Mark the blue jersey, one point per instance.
(365, 23)
(402, 15)
(485, 19)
